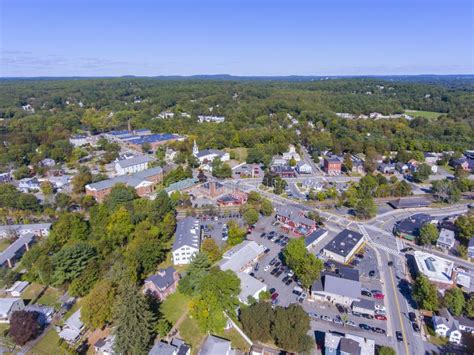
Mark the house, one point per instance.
(336, 343)
(431, 158)
(132, 165)
(342, 288)
(332, 165)
(215, 119)
(438, 270)
(242, 257)
(470, 248)
(343, 246)
(385, 168)
(409, 228)
(15, 250)
(249, 287)
(72, 328)
(38, 229)
(283, 171)
(29, 184)
(8, 306)
(412, 202)
(311, 240)
(214, 345)
(294, 220)
(291, 154)
(78, 140)
(166, 115)
(187, 240)
(304, 168)
(460, 163)
(17, 288)
(357, 165)
(247, 170)
(46, 313)
(364, 306)
(263, 350)
(170, 155)
(446, 326)
(5, 178)
(162, 283)
(105, 346)
(445, 239)
(465, 324)
(48, 162)
(144, 183)
(208, 155)
(401, 167)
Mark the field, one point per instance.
(239, 153)
(49, 297)
(425, 114)
(47, 345)
(174, 306)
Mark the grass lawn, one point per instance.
(50, 297)
(174, 306)
(4, 243)
(236, 339)
(239, 153)
(47, 345)
(191, 334)
(425, 114)
(31, 292)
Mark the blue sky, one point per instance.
(259, 37)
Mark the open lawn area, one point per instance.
(4, 243)
(47, 345)
(49, 297)
(236, 339)
(191, 334)
(174, 306)
(239, 154)
(425, 114)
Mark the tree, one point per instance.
(146, 147)
(62, 200)
(251, 216)
(119, 195)
(197, 270)
(70, 261)
(257, 321)
(210, 247)
(347, 162)
(365, 208)
(454, 301)
(386, 350)
(47, 188)
(290, 329)
(81, 179)
(83, 284)
(236, 234)
(134, 324)
(266, 207)
(304, 264)
(119, 228)
(465, 224)
(469, 306)
(98, 304)
(445, 191)
(425, 293)
(68, 227)
(428, 234)
(254, 198)
(208, 313)
(24, 326)
(422, 173)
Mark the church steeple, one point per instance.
(195, 149)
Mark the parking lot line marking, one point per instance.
(399, 312)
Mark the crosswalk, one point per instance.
(385, 248)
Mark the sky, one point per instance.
(247, 37)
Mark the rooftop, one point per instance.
(15, 247)
(137, 160)
(152, 138)
(214, 345)
(409, 203)
(412, 224)
(318, 233)
(446, 237)
(163, 279)
(132, 180)
(435, 268)
(364, 303)
(187, 233)
(344, 243)
(239, 256)
(249, 286)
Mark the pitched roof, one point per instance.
(15, 247)
(206, 152)
(162, 348)
(187, 233)
(214, 346)
(318, 233)
(239, 256)
(164, 278)
(409, 203)
(342, 286)
(140, 159)
(22, 227)
(7, 303)
(130, 180)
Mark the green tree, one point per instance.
(290, 329)
(251, 216)
(68, 227)
(425, 293)
(257, 321)
(465, 224)
(119, 227)
(47, 188)
(210, 247)
(266, 207)
(208, 313)
(97, 306)
(190, 284)
(386, 350)
(445, 191)
(70, 261)
(81, 179)
(304, 264)
(454, 301)
(62, 200)
(428, 234)
(134, 323)
(236, 234)
(469, 306)
(83, 284)
(119, 195)
(365, 208)
(422, 173)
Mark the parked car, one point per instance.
(351, 323)
(274, 271)
(267, 250)
(297, 293)
(378, 296)
(378, 330)
(379, 307)
(371, 273)
(272, 290)
(357, 314)
(266, 268)
(273, 261)
(340, 308)
(290, 273)
(338, 321)
(364, 326)
(366, 293)
(257, 266)
(399, 335)
(263, 235)
(274, 296)
(380, 317)
(367, 316)
(412, 316)
(286, 278)
(313, 315)
(326, 318)
(415, 326)
(289, 282)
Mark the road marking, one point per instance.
(399, 311)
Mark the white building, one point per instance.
(29, 184)
(304, 168)
(72, 328)
(38, 229)
(208, 155)
(132, 165)
(242, 257)
(291, 154)
(187, 240)
(8, 306)
(17, 288)
(445, 239)
(78, 140)
(446, 326)
(170, 155)
(215, 119)
(250, 287)
(436, 269)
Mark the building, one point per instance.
(332, 165)
(38, 229)
(214, 345)
(283, 171)
(242, 257)
(8, 306)
(294, 220)
(78, 140)
(215, 119)
(132, 165)
(144, 183)
(170, 155)
(105, 346)
(401, 167)
(470, 248)
(72, 329)
(5, 178)
(304, 168)
(187, 240)
(445, 239)
(386, 168)
(29, 184)
(364, 306)
(17, 288)
(291, 154)
(162, 283)
(311, 240)
(208, 155)
(461, 163)
(154, 140)
(357, 165)
(181, 185)
(249, 287)
(446, 326)
(15, 250)
(46, 313)
(237, 198)
(247, 170)
(347, 344)
(48, 163)
(412, 202)
(465, 324)
(337, 288)
(343, 246)
(409, 228)
(436, 269)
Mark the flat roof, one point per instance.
(239, 256)
(409, 203)
(152, 138)
(435, 268)
(344, 243)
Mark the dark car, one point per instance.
(357, 314)
(274, 271)
(340, 308)
(412, 316)
(366, 293)
(278, 274)
(367, 316)
(364, 326)
(273, 261)
(267, 251)
(359, 256)
(274, 296)
(277, 264)
(263, 235)
(378, 330)
(390, 263)
(404, 250)
(272, 290)
(372, 273)
(289, 282)
(415, 326)
(286, 278)
(399, 335)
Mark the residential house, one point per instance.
(78, 140)
(445, 239)
(144, 183)
(342, 288)
(357, 165)
(48, 162)
(401, 167)
(215, 119)
(431, 158)
(132, 165)
(460, 163)
(214, 345)
(438, 270)
(8, 306)
(465, 324)
(5, 178)
(17, 288)
(72, 329)
(385, 168)
(445, 325)
(332, 165)
(46, 313)
(470, 248)
(304, 168)
(38, 229)
(336, 343)
(29, 184)
(343, 246)
(291, 154)
(15, 250)
(162, 283)
(294, 220)
(311, 240)
(105, 346)
(187, 240)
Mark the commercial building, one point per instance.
(364, 306)
(436, 269)
(144, 183)
(132, 165)
(409, 228)
(241, 257)
(311, 240)
(332, 165)
(445, 239)
(154, 140)
(343, 246)
(208, 155)
(249, 287)
(342, 288)
(187, 240)
(304, 168)
(294, 220)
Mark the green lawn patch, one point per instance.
(50, 297)
(47, 345)
(236, 339)
(174, 306)
(240, 154)
(4, 243)
(425, 114)
(31, 292)
(191, 334)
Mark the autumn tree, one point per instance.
(97, 306)
(24, 326)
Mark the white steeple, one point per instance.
(195, 149)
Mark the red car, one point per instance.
(274, 296)
(378, 296)
(380, 317)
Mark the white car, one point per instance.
(326, 318)
(338, 321)
(266, 268)
(290, 273)
(379, 307)
(351, 323)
